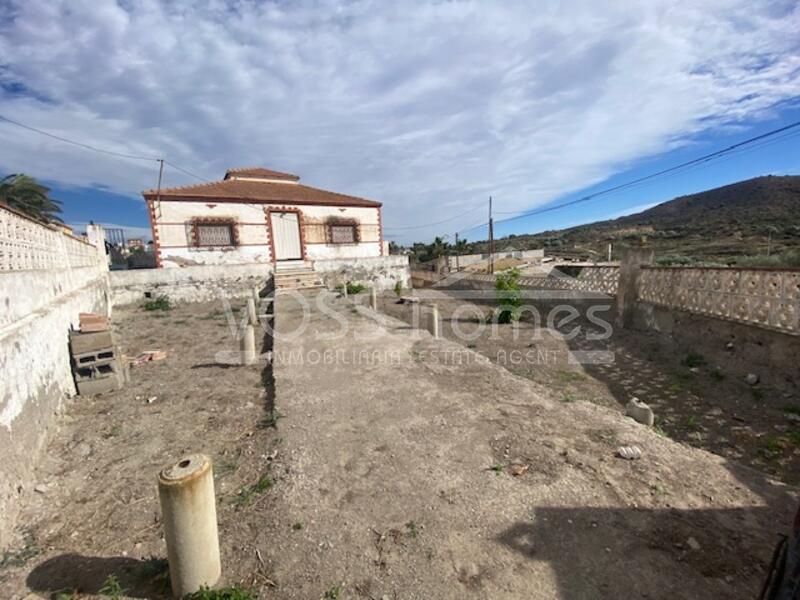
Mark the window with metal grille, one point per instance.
(343, 234)
(217, 234)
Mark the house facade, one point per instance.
(256, 215)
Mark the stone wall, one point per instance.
(199, 283)
(382, 272)
(47, 278)
(764, 298)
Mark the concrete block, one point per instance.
(640, 412)
(95, 358)
(90, 322)
(102, 385)
(81, 342)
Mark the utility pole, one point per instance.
(158, 189)
(491, 239)
(457, 266)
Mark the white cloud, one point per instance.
(429, 107)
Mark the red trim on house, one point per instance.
(220, 248)
(268, 210)
(151, 213)
(217, 200)
(189, 222)
(380, 232)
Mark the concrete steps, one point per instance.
(297, 278)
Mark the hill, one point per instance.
(734, 224)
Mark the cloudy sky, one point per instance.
(428, 107)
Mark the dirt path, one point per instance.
(402, 474)
(401, 467)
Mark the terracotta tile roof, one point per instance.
(261, 192)
(260, 172)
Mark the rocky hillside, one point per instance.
(730, 224)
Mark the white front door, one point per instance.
(286, 235)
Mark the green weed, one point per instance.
(333, 593)
(158, 303)
(231, 593)
(246, 494)
(111, 588)
(693, 360)
(270, 419)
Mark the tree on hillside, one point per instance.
(25, 194)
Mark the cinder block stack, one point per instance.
(96, 361)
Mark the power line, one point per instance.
(189, 173)
(75, 143)
(474, 208)
(693, 162)
(748, 145)
(100, 150)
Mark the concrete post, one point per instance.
(257, 294)
(627, 288)
(251, 311)
(373, 298)
(434, 324)
(249, 345)
(344, 289)
(189, 514)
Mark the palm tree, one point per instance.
(25, 194)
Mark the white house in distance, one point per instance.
(256, 215)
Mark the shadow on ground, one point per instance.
(72, 573)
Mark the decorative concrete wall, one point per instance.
(590, 279)
(763, 297)
(188, 284)
(382, 272)
(47, 278)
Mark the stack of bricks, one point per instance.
(95, 358)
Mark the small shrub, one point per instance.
(509, 295)
(334, 593)
(158, 303)
(297, 526)
(354, 288)
(412, 528)
(232, 593)
(398, 288)
(693, 360)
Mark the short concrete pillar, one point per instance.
(252, 317)
(249, 345)
(257, 293)
(434, 323)
(344, 289)
(189, 514)
(373, 299)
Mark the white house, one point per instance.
(258, 215)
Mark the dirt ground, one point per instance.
(431, 474)
(696, 401)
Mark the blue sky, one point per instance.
(429, 107)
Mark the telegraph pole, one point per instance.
(491, 238)
(457, 266)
